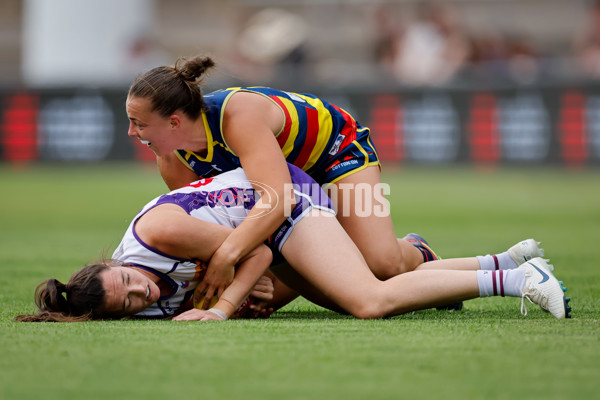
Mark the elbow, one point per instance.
(266, 256)
(263, 256)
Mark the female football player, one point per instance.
(260, 129)
(161, 260)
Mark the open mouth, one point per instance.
(147, 292)
(146, 142)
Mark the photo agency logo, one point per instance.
(347, 199)
(235, 200)
(361, 199)
(252, 199)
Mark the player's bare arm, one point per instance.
(183, 241)
(250, 124)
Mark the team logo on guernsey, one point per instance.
(294, 96)
(336, 146)
(185, 284)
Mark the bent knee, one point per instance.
(385, 267)
(367, 310)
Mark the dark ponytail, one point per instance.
(172, 88)
(81, 299)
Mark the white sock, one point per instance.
(501, 282)
(496, 262)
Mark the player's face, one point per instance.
(149, 127)
(128, 291)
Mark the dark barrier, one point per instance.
(68, 126)
(528, 126)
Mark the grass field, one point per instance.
(55, 218)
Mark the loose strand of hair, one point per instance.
(48, 316)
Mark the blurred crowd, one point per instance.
(431, 49)
(435, 49)
(334, 42)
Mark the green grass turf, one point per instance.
(54, 219)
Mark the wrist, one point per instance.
(227, 254)
(225, 306)
(219, 313)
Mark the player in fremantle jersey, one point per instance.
(261, 129)
(160, 263)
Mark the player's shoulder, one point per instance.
(247, 107)
(244, 99)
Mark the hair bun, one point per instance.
(191, 70)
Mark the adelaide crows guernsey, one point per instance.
(314, 132)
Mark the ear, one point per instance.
(175, 121)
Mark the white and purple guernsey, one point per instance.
(225, 199)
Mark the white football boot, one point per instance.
(525, 250)
(543, 289)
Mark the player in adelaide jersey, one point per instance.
(159, 263)
(261, 129)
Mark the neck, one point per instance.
(198, 142)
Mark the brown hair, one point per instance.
(172, 88)
(85, 297)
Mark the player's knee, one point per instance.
(367, 310)
(385, 266)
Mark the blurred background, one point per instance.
(481, 82)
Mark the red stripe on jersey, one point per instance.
(283, 136)
(349, 129)
(312, 131)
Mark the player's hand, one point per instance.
(261, 312)
(263, 290)
(197, 315)
(262, 294)
(218, 277)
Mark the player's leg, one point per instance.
(323, 254)
(521, 252)
(288, 277)
(361, 212)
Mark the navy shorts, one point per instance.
(309, 196)
(355, 157)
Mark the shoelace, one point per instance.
(527, 291)
(524, 304)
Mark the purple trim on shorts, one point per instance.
(307, 185)
(316, 198)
